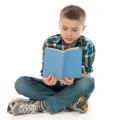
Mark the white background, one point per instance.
(25, 24)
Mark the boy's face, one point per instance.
(70, 29)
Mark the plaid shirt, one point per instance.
(88, 50)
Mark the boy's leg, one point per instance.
(33, 88)
(53, 102)
(69, 95)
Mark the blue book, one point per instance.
(67, 63)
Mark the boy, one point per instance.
(53, 95)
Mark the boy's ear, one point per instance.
(59, 24)
(83, 28)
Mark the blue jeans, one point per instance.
(57, 97)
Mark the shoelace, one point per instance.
(81, 103)
(29, 107)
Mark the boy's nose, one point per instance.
(68, 33)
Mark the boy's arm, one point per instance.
(43, 48)
(88, 58)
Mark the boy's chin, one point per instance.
(68, 42)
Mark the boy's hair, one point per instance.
(73, 12)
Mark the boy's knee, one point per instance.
(86, 83)
(20, 82)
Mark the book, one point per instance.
(67, 63)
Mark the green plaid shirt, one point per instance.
(88, 50)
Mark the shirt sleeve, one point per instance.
(88, 57)
(43, 49)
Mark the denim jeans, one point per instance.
(57, 97)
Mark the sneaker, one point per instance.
(21, 106)
(81, 105)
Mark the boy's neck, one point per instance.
(68, 46)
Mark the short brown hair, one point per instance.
(73, 12)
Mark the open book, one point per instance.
(67, 63)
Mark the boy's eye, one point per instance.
(64, 28)
(74, 30)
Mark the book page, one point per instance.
(73, 63)
(53, 63)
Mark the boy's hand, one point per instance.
(70, 81)
(67, 81)
(50, 80)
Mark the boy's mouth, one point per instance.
(69, 39)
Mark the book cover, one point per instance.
(67, 63)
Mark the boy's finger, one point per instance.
(72, 79)
(65, 82)
(67, 79)
(49, 77)
(55, 80)
(52, 79)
